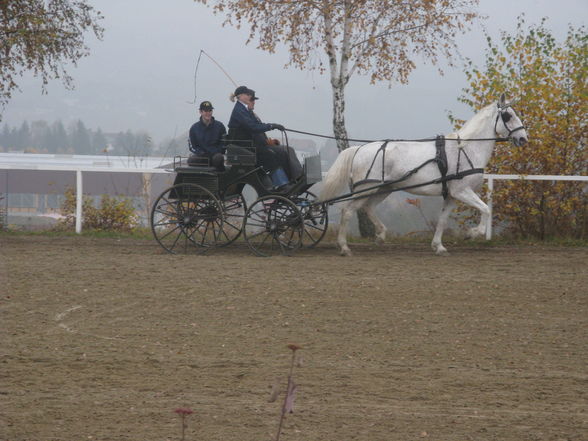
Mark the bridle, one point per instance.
(505, 117)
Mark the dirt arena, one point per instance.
(102, 339)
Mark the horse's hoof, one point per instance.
(442, 252)
(379, 241)
(346, 253)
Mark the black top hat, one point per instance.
(206, 105)
(245, 90)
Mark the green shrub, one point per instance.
(114, 213)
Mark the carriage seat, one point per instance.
(240, 155)
(201, 163)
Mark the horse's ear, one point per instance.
(502, 100)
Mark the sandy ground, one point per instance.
(103, 338)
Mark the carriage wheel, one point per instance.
(316, 219)
(186, 218)
(273, 225)
(234, 209)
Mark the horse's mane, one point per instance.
(472, 126)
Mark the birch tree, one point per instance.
(379, 38)
(41, 36)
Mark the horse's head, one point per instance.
(511, 127)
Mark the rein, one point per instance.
(397, 140)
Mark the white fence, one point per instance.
(79, 182)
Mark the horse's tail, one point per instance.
(338, 175)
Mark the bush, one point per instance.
(113, 214)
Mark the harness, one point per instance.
(440, 159)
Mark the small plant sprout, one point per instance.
(288, 405)
(183, 412)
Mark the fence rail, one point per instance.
(492, 177)
(80, 169)
(79, 181)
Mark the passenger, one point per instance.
(206, 138)
(281, 161)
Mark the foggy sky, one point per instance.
(141, 76)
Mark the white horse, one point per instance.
(409, 165)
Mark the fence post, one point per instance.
(489, 203)
(79, 201)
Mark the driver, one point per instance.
(244, 125)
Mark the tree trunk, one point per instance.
(366, 227)
(367, 230)
(339, 117)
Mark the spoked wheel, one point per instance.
(273, 225)
(234, 209)
(316, 218)
(186, 218)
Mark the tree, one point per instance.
(550, 80)
(42, 36)
(40, 136)
(380, 38)
(59, 141)
(99, 141)
(6, 138)
(23, 137)
(80, 139)
(133, 145)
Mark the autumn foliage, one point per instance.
(382, 39)
(43, 37)
(112, 214)
(549, 78)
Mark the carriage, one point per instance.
(206, 208)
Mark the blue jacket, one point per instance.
(205, 140)
(243, 125)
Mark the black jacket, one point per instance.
(244, 126)
(205, 140)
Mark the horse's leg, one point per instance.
(448, 206)
(346, 213)
(469, 197)
(370, 210)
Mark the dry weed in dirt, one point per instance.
(103, 338)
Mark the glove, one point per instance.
(278, 127)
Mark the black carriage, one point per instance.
(206, 208)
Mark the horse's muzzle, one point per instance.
(519, 142)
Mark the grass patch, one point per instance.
(137, 233)
(420, 238)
